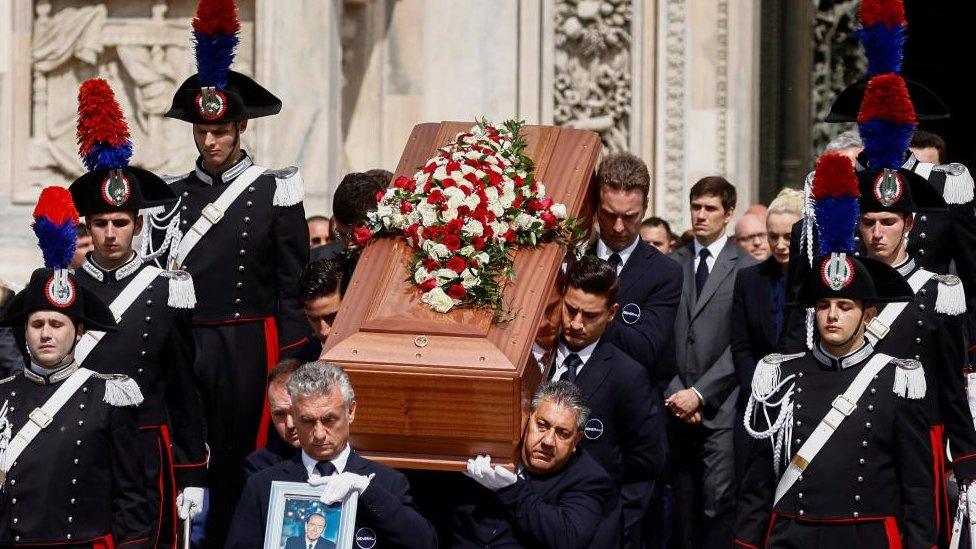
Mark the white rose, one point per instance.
(473, 228)
(428, 213)
(499, 228)
(421, 274)
(472, 201)
(559, 210)
(469, 278)
(524, 221)
(438, 300)
(492, 194)
(440, 251)
(467, 251)
(482, 258)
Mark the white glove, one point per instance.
(339, 487)
(190, 502)
(493, 478)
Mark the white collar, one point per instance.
(585, 353)
(603, 252)
(228, 175)
(102, 274)
(339, 462)
(714, 248)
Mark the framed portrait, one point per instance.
(298, 520)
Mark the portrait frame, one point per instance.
(285, 511)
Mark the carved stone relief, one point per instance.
(593, 68)
(144, 51)
(838, 60)
(671, 202)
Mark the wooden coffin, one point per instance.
(434, 389)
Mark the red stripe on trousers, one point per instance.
(936, 433)
(271, 353)
(891, 529)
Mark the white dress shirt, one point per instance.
(714, 249)
(603, 252)
(562, 352)
(339, 462)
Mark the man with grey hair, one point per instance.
(324, 407)
(559, 495)
(846, 143)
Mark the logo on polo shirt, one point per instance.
(631, 313)
(365, 538)
(593, 429)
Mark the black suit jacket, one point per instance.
(298, 542)
(274, 452)
(558, 511)
(625, 432)
(753, 332)
(649, 292)
(385, 508)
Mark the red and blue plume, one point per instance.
(215, 34)
(835, 193)
(886, 121)
(103, 135)
(56, 226)
(882, 34)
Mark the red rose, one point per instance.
(406, 207)
(452, 242)
(362, 235)
(430, 264)
(548, 219)
(457, 291)
(510, 236)
(448, 182)
(517, 203)
(463, 211)
(435, 197)
(379, 196)
(430, 167)
(404, 182)
(428, 285)
(494, 177)
(533, 206)
(457, 264)
(546, 203)
(472, 178)
(453, 166)
(478, 242)
(453, 226)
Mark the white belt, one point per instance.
(212, 213)
(119, 306)
(842, 406)
(880, 325)
(41, 417)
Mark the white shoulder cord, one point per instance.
(780, 431)
(169, 227)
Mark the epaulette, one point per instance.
(121, 390)
(290, 188)
(181, 292)
(909, 378)
(766, 378)
(6, 379)
(958, 183)
(951, 296)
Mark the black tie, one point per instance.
(701, 274)
(572, 362)
(615, 261)
(325, 468)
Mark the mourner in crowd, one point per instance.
(648, 293)
(321, 287)
(11, 358)
(657, 232)
(703, 393)
(928, 147)
(319, 231)
(557, 498)
(154, 343)
(240, 230)
(72, 468)
(625, 431)
(759, 303)
(840, 455)
(285, 445)
(750, 234)
(353, 199)
(83, 245)
(324, 408)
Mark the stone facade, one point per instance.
(671, 80)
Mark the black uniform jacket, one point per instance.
(248, 264)
(154, 346)
(557, 511)
(273, 453)
(753, 332)
(648, 294)
(82, 477)
(385, 509)
(625, 432)
(877, 464)
(936, 340)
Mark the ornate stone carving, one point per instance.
(838, 60)
(672, 144)
(593, 68)
(144, 56)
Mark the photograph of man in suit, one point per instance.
(315, 526)
(702, 396)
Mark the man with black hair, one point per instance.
(321, 287)
(283, 443)
(319, 231)
(625, 431)
(928, 147)
(353, 199)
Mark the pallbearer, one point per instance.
(71, 458)
(840, 455)
(154, 344)
(240, 230)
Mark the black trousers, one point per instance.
(796, 534)
(704, 485)
(231, 364)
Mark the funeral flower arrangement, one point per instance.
(464, 212)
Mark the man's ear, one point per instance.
(352, 411)
(870, 312)
(613, 311)
(79, 330)
(242, 125)
(137, 225)
(909, 222)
